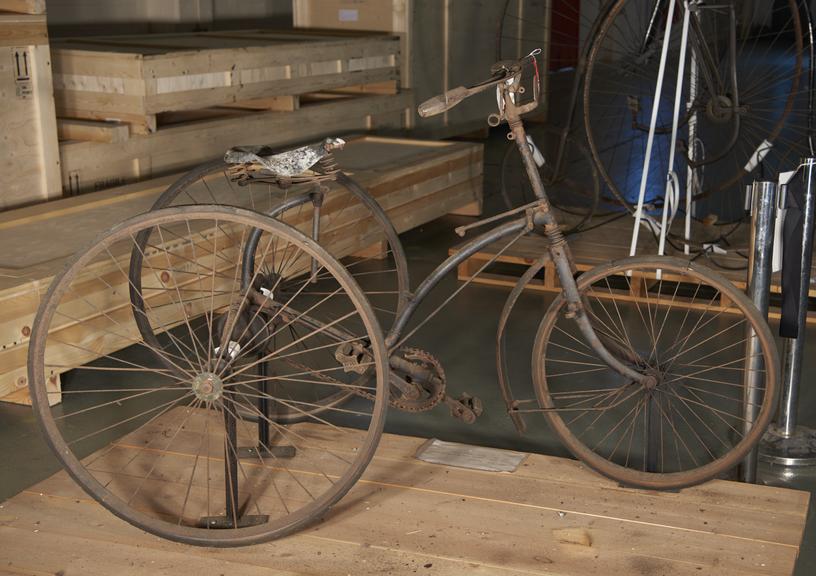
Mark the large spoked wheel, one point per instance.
(353, 227)
(687, 327)
(727, 121)
(176, 433)
(574, 187)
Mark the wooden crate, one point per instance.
(29, 157)
(599, 246)
(201, 135)
(23, 6)
(404, 516)
(134, 78)
(443, 45)
(385, 16)
(415, 181)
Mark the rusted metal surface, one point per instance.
(289, 163)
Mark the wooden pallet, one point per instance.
(415, 181)
(111, 158)
(600, 246)
(135, 78)
(550, 516)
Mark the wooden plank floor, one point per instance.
(552, 516)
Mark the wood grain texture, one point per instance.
(90, 166)
(550, 517)
(133, 77)
(23, 6)
(29, 156)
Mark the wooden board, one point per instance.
(90, 166)
(599, 246)
(29, 157)
(415, 181)
(23, 6)
(134, 78)
(550, 517)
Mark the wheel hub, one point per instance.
(654, 377)
(720, 109)
(208, 386)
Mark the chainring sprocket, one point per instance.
(433, 389)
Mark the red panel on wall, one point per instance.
(566, 32)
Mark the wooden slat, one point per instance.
(552, 516)
(88, 166)
(91, 131)
(23, 6)
(132, 78)
(22, 30)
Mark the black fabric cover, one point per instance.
(792, 256)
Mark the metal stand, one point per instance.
(233, 516)
(763, 209)
(787, 443)
(265, 447)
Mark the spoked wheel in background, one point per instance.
(353, 227)
(574, 188)
(690, 425)
(763, 112)
(158, 428)
(351, 220)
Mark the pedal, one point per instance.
(467, 408)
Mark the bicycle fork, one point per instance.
(564, 263)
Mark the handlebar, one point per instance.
(441, 103)
(447, 100)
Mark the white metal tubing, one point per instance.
(650, 140)
(671, 198)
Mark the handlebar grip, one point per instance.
(446, 101)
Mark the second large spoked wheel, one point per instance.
(173, 428)
(686, 326)
(353, 227)
(739, 102)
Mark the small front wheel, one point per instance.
(689, 328)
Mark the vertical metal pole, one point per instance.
(230, 465)
(787, 443)
(763, 210)
(263, 405)
(317, 203)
